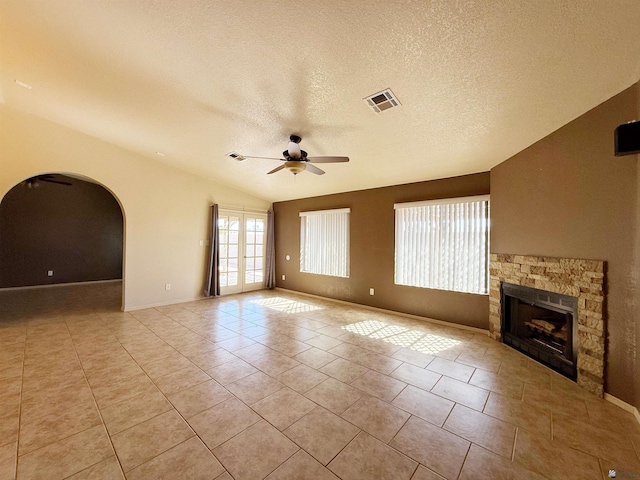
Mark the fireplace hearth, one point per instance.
(541, 325)
(540, 330)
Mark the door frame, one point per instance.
(242, 259)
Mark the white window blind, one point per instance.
(324, 242)
(443, 244)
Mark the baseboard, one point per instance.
(52, 285)
(393, 312)
(163, 304)
(623, 405)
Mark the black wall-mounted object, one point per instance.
(627, 139)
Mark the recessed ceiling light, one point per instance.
(22, 84)
(160, 154)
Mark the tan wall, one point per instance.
(372, 251)
(166, 210)
(569, 196)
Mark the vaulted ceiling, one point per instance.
(478, 81)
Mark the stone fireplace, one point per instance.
(542, 325)
(573, 284)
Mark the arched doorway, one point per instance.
(59, 229)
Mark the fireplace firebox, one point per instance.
(542, 325)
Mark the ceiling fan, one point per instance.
(295, 160)
(34, 182)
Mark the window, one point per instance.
(443, 244)
(324, 242)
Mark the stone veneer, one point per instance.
(583, 279)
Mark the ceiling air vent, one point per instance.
(382, 101)
(236, 156)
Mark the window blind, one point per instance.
(324, 242)
(443, 244)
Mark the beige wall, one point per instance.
(569, 196)
(372, 251)
(166, 210)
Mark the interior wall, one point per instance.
(74, 230)
(372, 251)
(569, 196)
(166, 210)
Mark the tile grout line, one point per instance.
(195, 434)
(514, 447)
(224, 387)
(154, 384)
(84, 374)
(515, 441)
(24, 359)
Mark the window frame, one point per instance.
(440, 283)
(304, 255)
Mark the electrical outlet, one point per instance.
(167, 286)
(283, 277)
(372, 291)
(49, 273)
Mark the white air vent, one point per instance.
(236, 156)
(382, 101)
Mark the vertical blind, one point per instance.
(443, 244)
(324, 242)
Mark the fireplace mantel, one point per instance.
(583, 279)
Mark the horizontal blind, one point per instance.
(324, 242)
(443, 245)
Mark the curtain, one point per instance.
(270, 266)
(212, 288)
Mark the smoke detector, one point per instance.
(381, 101)
(236, 156)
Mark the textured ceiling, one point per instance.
(478, 80)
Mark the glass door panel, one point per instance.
(242, 251)
(229, 233)
(255, 251)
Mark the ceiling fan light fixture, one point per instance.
(295, 167)
(294, 150)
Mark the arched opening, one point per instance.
(58, 229)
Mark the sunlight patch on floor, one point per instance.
(389, 331)
(402, 336)
(434, 343)
(365, 328)
(405, 339)
(285, 305)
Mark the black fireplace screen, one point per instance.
(542, 325)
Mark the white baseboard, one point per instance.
(623, 405)
(162, 304)
(383, 310)
(53, 285)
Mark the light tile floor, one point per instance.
(281, 386)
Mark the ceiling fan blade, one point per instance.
(314, 169)
(327, 159)
(277, 169)
(266, 158)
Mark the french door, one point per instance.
(243, 238)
